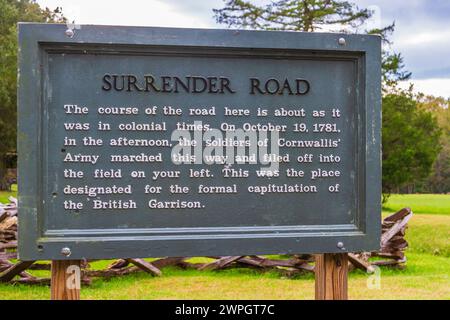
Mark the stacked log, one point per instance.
(8, 232)
(392, 253)
(393, 244)
(8, 246)
(8, 225)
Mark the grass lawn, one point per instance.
(420, 203)
(426, 276)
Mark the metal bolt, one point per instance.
(341, 41)
(66, 251)
(70, 33)
(340, 245)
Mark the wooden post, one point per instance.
(66, 280)
(331, 272)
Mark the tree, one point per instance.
(439, 180)
(393, 70)
(293, 15)
(410, 141)
(410, 134)
(11, 12)
(310, 16)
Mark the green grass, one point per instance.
(426, 276)
(420, 203)
(4, 195)
(429, 234)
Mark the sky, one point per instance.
(422, 32)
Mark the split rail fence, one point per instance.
(392, 253)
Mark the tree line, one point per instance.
(12, 12)
(415, 128)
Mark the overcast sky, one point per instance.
(422, 32)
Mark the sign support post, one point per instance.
(65, 280)
(331, 276)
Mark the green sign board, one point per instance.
(146, 142)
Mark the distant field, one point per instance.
(426, 276)
(420, 203)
